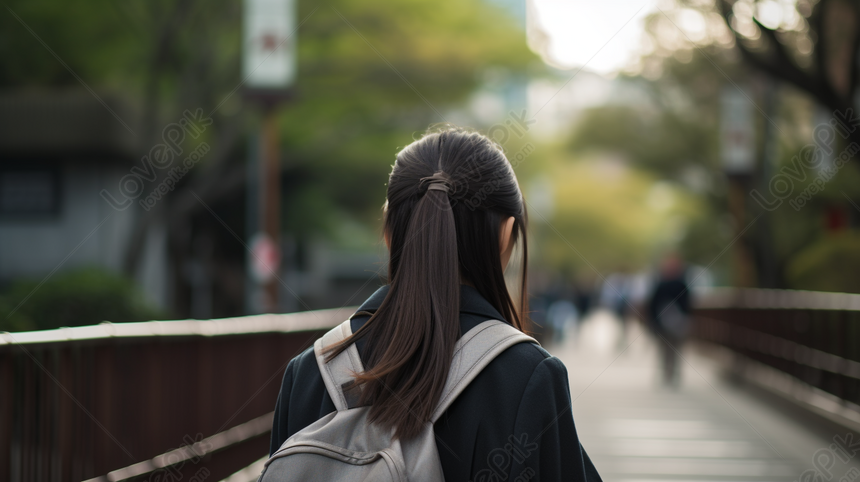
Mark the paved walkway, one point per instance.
(636, 430)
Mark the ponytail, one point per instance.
(411, 336)
(442, 230)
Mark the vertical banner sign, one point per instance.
(737, 132)
(269, 44)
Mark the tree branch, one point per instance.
(781, 66)
(180, 200)
(854, 76)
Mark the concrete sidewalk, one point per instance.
(636, 430)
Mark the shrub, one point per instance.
(73, 298)
(830, 264)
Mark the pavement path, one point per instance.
(706, 430)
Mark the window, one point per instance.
(25, 192)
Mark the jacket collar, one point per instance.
(471, 302)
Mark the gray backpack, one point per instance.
(343, 445)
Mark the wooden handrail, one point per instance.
(268, 323)
(756, 298)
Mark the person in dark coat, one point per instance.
(522, 398)
(669, 315)
(449, 247)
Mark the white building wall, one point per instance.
(86, 231)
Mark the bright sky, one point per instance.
(582, 29)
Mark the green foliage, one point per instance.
(310, 210)
(73, 298)
(705, 239)
(672, 132)
(371, 75)
(605, 216)
(663, 142)
(829, 264)
(92, 38)
(795, 227)
(662, 137)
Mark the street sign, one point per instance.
(269, 44)
(737, 132)
(265, 258)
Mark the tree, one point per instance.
(815, 48)
(790, 58)
(371, 75)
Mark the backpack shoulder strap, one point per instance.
(339, 371)
(472, 353)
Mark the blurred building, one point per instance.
(58, 150)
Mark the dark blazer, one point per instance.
(514, 420)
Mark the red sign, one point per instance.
(265, 258)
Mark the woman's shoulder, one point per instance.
(303, 373)
(527, 352)
(303, 365)
(524, 360)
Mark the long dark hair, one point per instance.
(448, 194)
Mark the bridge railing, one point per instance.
(161, 400)
(804, 344)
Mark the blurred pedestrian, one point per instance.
(582, 296)
(615, 295)
(669, 315)
(562, 316)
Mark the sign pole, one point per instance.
(270, 197)
(737, 132)
(268, 71)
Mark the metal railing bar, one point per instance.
(757, 298)
(267, 323)
(775, 346)
(238, 434)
